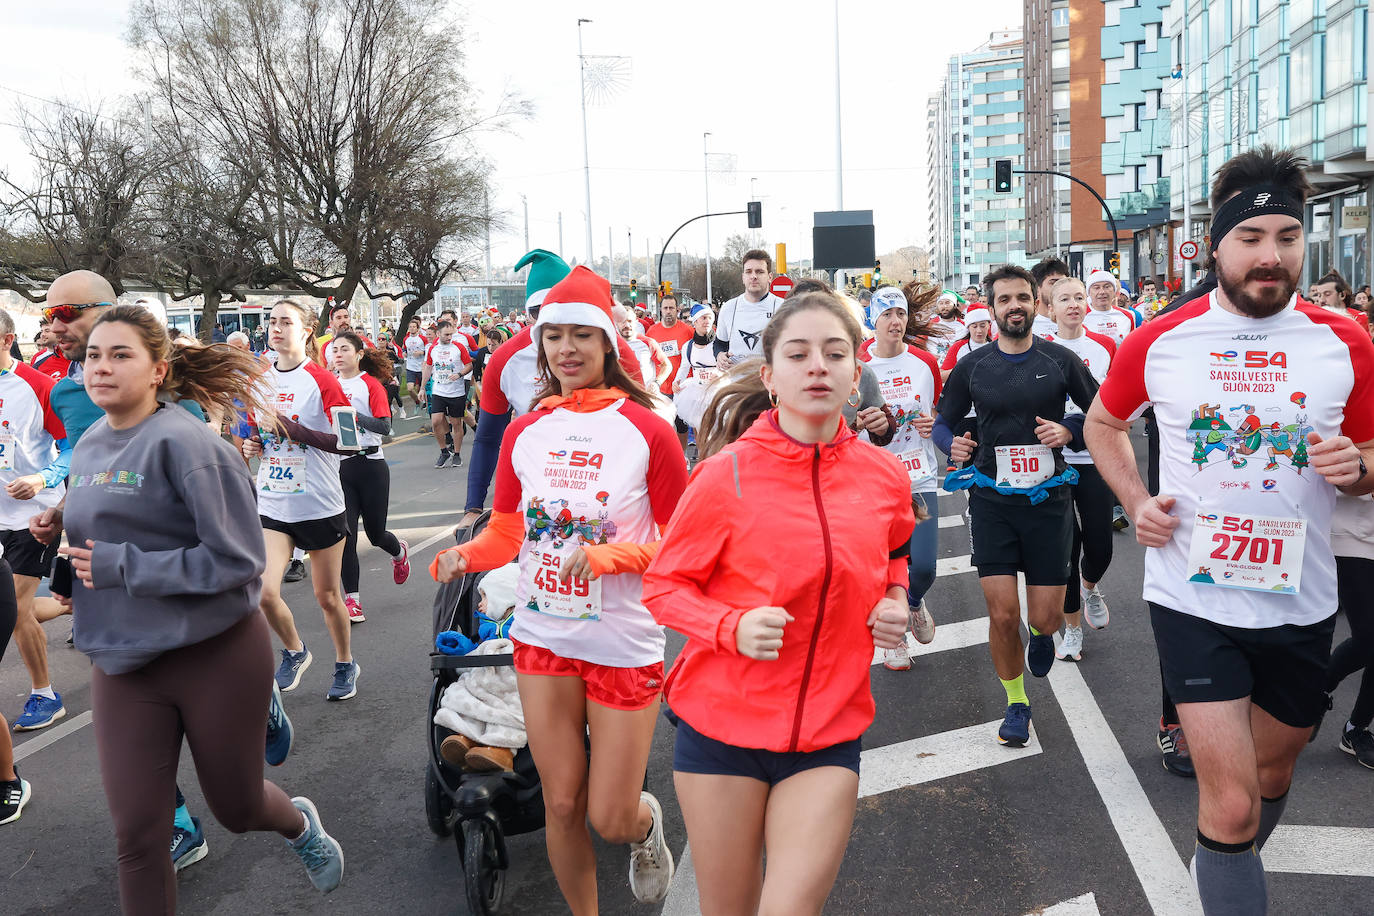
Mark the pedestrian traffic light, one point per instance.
(1116, 263)
(877, 273)
(755, 211)
(1002, 180)
(634, 290)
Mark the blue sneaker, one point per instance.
(279, 730)
(188, 846)
(321, 853)
(39, 712)
(293, 665)
(1015, 730)
(345, 685)
(1040, 654)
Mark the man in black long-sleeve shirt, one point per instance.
(1019, 506)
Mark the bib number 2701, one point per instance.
(1247, 551)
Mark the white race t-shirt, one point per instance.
(1235, 398)
(369, 398)
(298, 482)
(29, 429)
(447, 362)
(955, 331)
(1114, 322)
(1096, 352)
(1044, 327)
(741, 324)
(910, 385)
(415, 346)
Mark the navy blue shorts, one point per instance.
(414, 377)
(694, 752)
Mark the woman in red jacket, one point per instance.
(772, 691)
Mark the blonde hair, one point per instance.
(309, 320)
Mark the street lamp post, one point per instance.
(706, 171)
(586, 158)
(839, 136)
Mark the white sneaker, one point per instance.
(922, 624)
(897, 659)
(1071, 646)
(1095, 608)
(651, 862)
(402, 413)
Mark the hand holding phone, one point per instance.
(61, 582)
(346, 428)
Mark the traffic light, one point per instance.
(755, 211)
(868, 281)
(634, 290)
(1002, 180)
(1116, 263)
(669, 285)
(877, 273)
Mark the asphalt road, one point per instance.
(1084, 820)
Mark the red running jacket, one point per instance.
(821, 530)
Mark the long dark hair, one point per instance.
(372, 361)
(613, 375)
(920, 300)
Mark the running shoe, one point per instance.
(651, 861)
(345, 686)
(457, 461)
(400, 566)
(293, 665)
(1119, 520)
(1174, 746)
(1015, 730)
(39, 712)
(280, 734)
(295, 571)
(1357, 742)
(402, 413)
(1040, 654)
(922, 624)
(14, 795)
(1095, 610)
(321, 853)
(444, 456)
(898, 659)
(188, 846)
(355, 610)
(1071, 646)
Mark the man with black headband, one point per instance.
(1265, 408)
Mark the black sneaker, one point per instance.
(457, 461)
(295, 571)
(15, 794)
(1357, 742)
(444, 457)
(1174, 747)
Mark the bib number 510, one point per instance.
(1021, 463)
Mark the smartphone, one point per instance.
(61, 582)
(346, 428)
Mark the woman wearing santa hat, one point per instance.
(584, 483)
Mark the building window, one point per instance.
(1059, 99)
(1059, 57)
(1059, 17)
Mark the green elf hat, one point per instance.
(546, 269)
(957, 298)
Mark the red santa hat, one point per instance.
(582, 298)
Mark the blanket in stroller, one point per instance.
(484, 704)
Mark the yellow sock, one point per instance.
(1016, 690)
(1034, 631)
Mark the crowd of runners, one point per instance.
(168, 488)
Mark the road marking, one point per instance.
(951, 521)
(962, 750)
(438, 536)
(1321, 851)
(953, 566)
(1085, 905)
(52, 736)
(959, 635)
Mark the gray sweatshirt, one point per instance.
(178, 554)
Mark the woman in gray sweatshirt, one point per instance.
(168, 555)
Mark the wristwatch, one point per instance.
(1363, 470)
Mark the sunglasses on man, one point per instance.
(70, 312)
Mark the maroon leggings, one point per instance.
(215, 694)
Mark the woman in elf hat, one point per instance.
(587, 651)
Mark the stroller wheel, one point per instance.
(482, 871)
(438, 806)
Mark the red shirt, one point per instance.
(51, 363)
(671, 341)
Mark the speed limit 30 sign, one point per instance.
(1188, 250)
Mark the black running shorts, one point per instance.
(1281, 669)
(27, 555)
(449, 407)
(312, 534)
(1017, 537)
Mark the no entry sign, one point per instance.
(781, 286)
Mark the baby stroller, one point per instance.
(478, 809)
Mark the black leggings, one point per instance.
(9, 606)
(1354, 581)
(367, 493)
(1092, 533)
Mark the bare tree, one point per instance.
(348, 103)
(85, 204)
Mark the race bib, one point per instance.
(445, 375)
(574, 599)
(1247, 551)
(282, 473)
(669, 348)
(706, 373)
(6, 451)
(1024, 466)
(917, 467)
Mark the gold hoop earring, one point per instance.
(773, 398)
(853, 399)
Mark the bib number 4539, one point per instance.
(546, 577)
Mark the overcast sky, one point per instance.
(758, 76)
